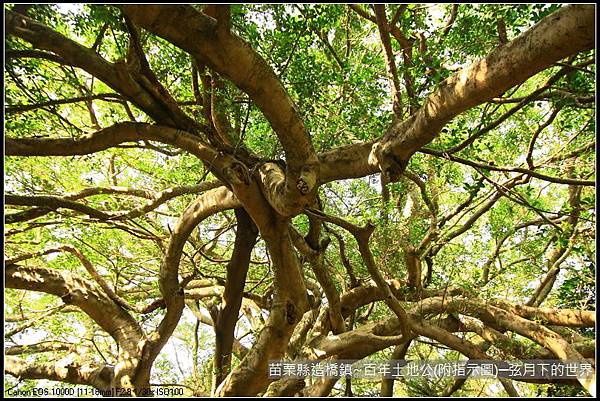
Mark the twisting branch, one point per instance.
(451, 19)
(536, 134)
(209, 203)
(344, 258)
(75, 290)
(433, 248)
(115, 135)
(100, 37)
(485, 275)
(361, 11)
(526, 171)
(362, 235)
(559, 35)
(534, 331)
(100, 377)
(558, 255)
(12, 54)
(249, 72)
(21, 108)
(226, 317)
(97, 278)
(384, 29)
(521, 104)
(405, 44)
(399, 11)
(323, 38)
(120, 76)
(32, 320)
(46, 204)
(316, 259)
(163, 196)
(399, 354)
(45, 346)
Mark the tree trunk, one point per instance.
(227, 317)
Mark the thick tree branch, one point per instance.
(289, 304)
(45, 204)
(12, 54)
(227, 316)
(73, 289)
(99, 377)
(50, 203)
(46, 346)
(399, 354)
(119, 76)
(362, 235)
(209, 203)
(21, 108)
(316, 258)
(196, 33)
(566, 32)
(224, 166)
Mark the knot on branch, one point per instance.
(237, 173)
(302, 186)
(290, 313)
(67, 298)
(307, 180)
(287, 191)
(389, 164)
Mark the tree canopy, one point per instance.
(194, 191)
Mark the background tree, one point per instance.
(195, 189)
